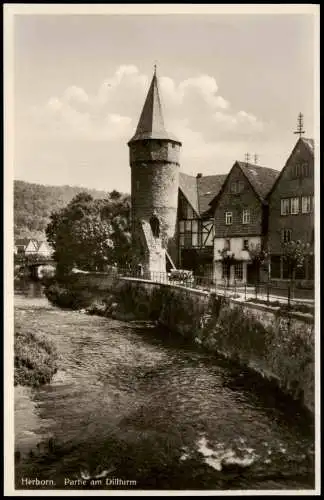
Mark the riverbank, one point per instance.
(272, 342)
(35, 356)
(135, 402)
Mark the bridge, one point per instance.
(33, 265)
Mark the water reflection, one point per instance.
(31, 289)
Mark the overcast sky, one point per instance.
(230, 84)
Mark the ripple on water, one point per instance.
(125, 399)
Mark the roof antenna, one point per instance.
(247, 157)
(256, 158)
(300, 125)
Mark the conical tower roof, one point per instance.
(151, 122)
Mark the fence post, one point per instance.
(288, 296)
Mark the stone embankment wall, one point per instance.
(278, 345)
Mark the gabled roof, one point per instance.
(23, 242)
(199, 191)
(260, 178)
(188, 186)
(309, 143)
(208, 187)
(151, 122)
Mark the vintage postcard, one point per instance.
(161, 250)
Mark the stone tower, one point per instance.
(154, 161)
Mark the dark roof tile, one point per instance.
(261, 178)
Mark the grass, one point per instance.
(35, 359)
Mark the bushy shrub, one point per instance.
(35, 359)
(70, 297)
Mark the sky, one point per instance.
(230, 85)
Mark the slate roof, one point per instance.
(188, 185)
(208, 187)
(309, 143)
(261, 178)
(199, 191)
(151, 122)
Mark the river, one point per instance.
(133, 408)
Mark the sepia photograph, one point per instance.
(161, 244)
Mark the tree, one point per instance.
(258, 256)
(228, 259)
(294, 254)
(90, 234)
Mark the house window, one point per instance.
(228, 218)
(226, 270)
(294, 206)
(275, 266)
(300, 170)
(237, 187)
(285, 206)
(306, 204)
(238, 271)
(286, 235)
(227, 244)
(246, 217)
(245, 244)
(189, 231)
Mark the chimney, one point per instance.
(198, 176)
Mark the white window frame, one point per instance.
(238, 275)
(294, 205)
(284, 203)
(228, 218)
(246, 216)
(306, 204)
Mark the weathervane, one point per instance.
(247, 157)
(300, 125)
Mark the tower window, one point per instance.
(155, 226)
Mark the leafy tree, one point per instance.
(90, 234)
(294, 254)
(228, 259)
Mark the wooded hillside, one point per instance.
(33, 204)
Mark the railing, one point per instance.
(262, 292)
